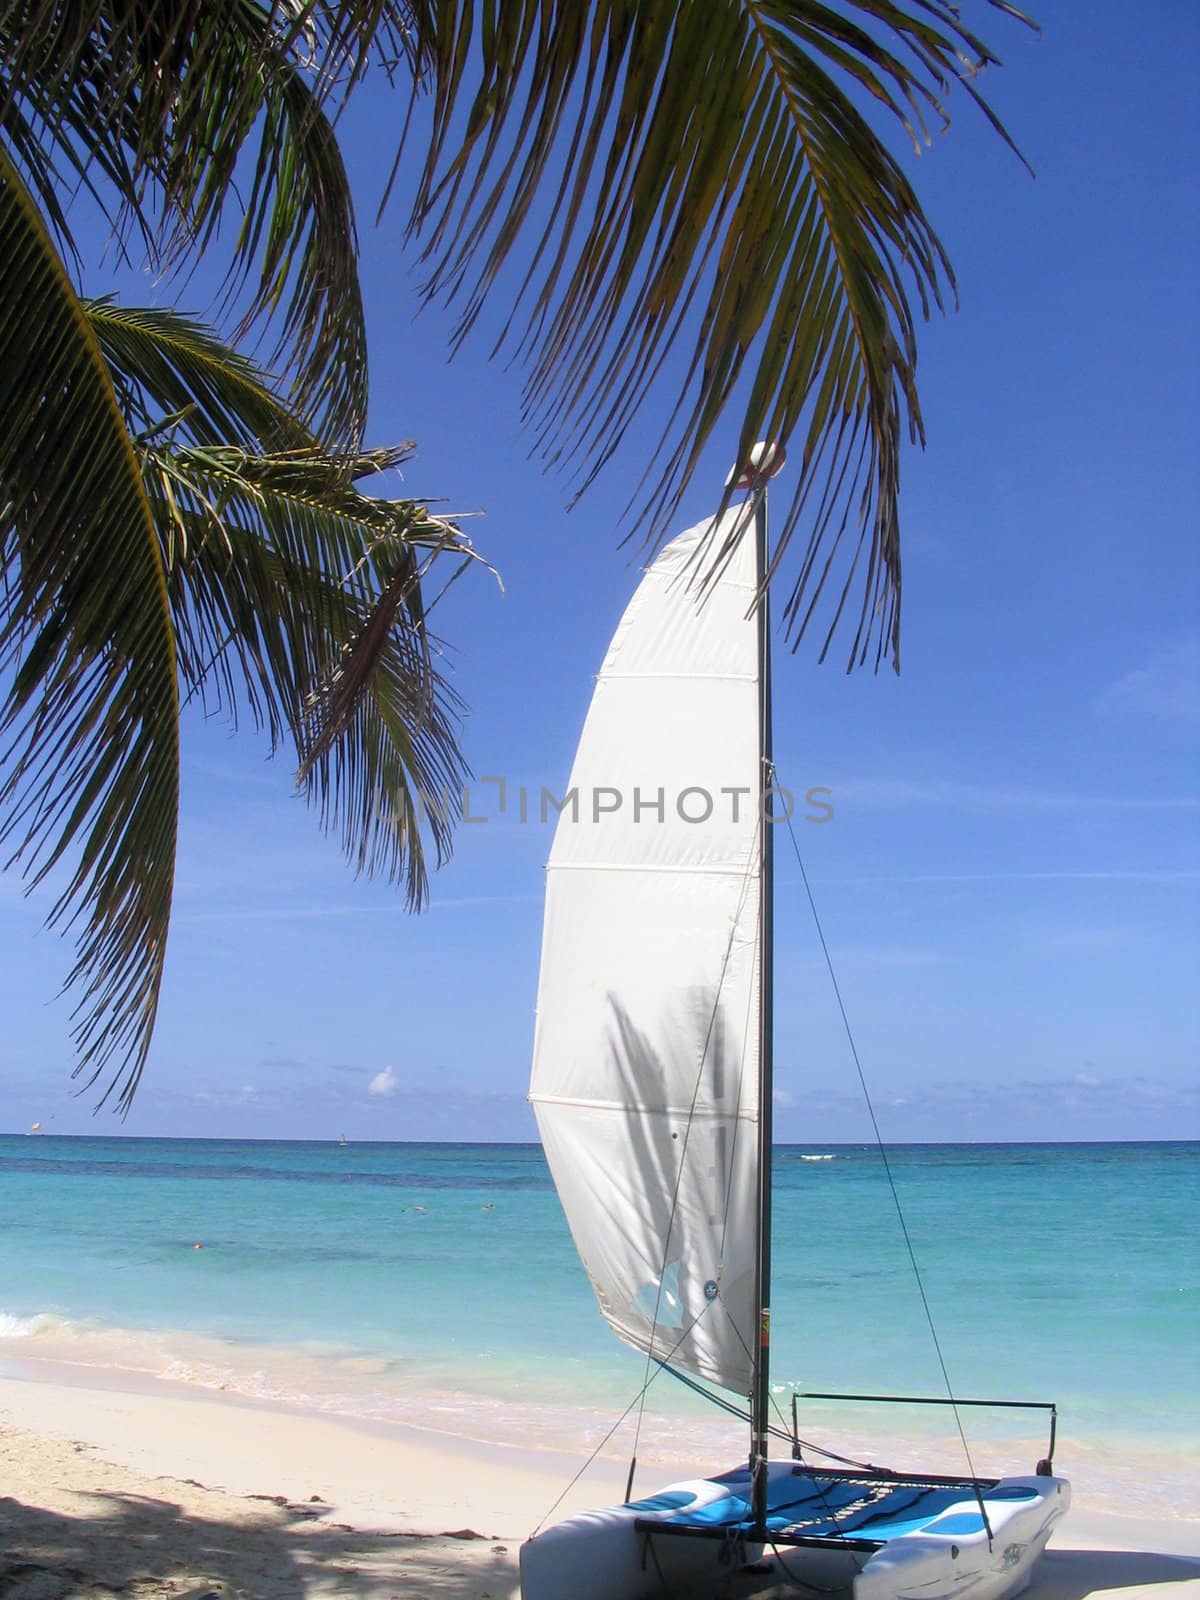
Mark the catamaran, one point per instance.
(652, 1086)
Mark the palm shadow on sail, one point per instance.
(646, 1052)
(675, 1278)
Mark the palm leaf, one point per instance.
(174, 105)
(89, 771)
(298, 234)
(706, 172)
(168, 365)
(296, 595)
(336, 658)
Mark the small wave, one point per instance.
(12, 1327)
(252, 1384)
(818, 1158)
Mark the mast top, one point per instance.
(766, 458)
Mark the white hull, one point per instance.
(938, 1565)
(603, 1555)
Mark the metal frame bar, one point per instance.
(746, 1530)
(1045, 1466)
(900, 1480)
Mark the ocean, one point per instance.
(436, 1285)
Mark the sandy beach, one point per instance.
(145, 1490)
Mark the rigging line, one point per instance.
(748, 1023)
(549, 1512)
(785, 1435)
(638, 1400)
(647, 1379)
(887, 1167)
(769, 778)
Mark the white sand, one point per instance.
(150, 1490)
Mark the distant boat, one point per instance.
(341, 1139)
(652, 1087)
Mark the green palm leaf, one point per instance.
(168, 107)
(168, 365)
(89, 770)
(296, 592)
(298, 234)
(706, 172)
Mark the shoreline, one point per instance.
(1140, 1472)
(143, 1486)
(392, 1477)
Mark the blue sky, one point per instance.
(1009, 884)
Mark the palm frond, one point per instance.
(89, 769)
(297, 244)
(154, 47)
(39, 171)
(295, 594)
(168, 365)
(299, 594)
(175, 104)
(706, 172)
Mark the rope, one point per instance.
(637, 1401)
(784, 1434)
(648, 1378)
(887, 1167)
(806, 1584)
(550, 1510)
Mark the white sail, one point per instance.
(645, 1070)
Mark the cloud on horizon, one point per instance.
(1082, 1105)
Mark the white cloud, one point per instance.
(1168, 686)
(1084, 938)
(1117, 875)
(902, 793)
(300, 913)
(384, 1082)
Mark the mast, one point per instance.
(765, 461)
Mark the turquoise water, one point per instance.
(438, 1283)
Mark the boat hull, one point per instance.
(668, 1543)
(602, 1555)
(939, 1562)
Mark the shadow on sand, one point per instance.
(134, 1547)
(1059, 1575)
(1074, 1574)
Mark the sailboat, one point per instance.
(652, 1087)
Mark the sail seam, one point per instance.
(690, 677)
(621, 866)
(714, 1112)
